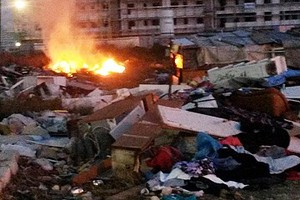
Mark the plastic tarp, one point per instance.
(229, 54)
(292, 52)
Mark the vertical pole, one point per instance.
(171, 57)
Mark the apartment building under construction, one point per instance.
(106, 19)
(115, 18)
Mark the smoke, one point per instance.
(56, 18)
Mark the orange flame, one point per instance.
(70, 50)
(71, 67)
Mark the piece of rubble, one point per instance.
(186, 120)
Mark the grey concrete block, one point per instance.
(12, 164)
(9, 155)
(5, 175)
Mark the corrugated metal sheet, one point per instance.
(183, 42)
(238, 38)
(261, 38)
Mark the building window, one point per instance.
(155, 22)
(251, 17)
(105, 6)
(267, 1)
(281, 15)
(174, 3)
(93, 24)
(175, 21)
(185, 21)
(184, 3)
(289, 1)
(130, 6)
(145, 5)
(82, 24)
(268, 16)
(199, 2)
(37, 27)
(199, 20)
(105, 23)
(222, 22)
(131, 24)
(156, 4)
(289, 15)
(145, 23)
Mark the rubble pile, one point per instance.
(218, 133)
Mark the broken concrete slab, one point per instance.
(12, 139)
(30, 81)
(163, 88)
(204, 102)
(259, 69)
(118, 117)
(186, 120)
(5, 175)
(97, 102)
(292, 92)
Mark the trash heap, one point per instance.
(225, 130)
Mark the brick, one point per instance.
(92, 172)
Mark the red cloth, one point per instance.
(231, 140)
(165, 158)
(293, 175)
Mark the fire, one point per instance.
(70, 50)
(71, 67)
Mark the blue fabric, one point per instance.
(207, 146)
(226, 164)
(274, 80)
(280, 78)
(178, 197)
(291, 73)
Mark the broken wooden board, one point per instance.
(186, 120)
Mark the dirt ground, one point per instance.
(33, 183)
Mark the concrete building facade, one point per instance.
(115, 18)
(107, 19)
(18, 24)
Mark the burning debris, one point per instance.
(92, 139)
(80, 131)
